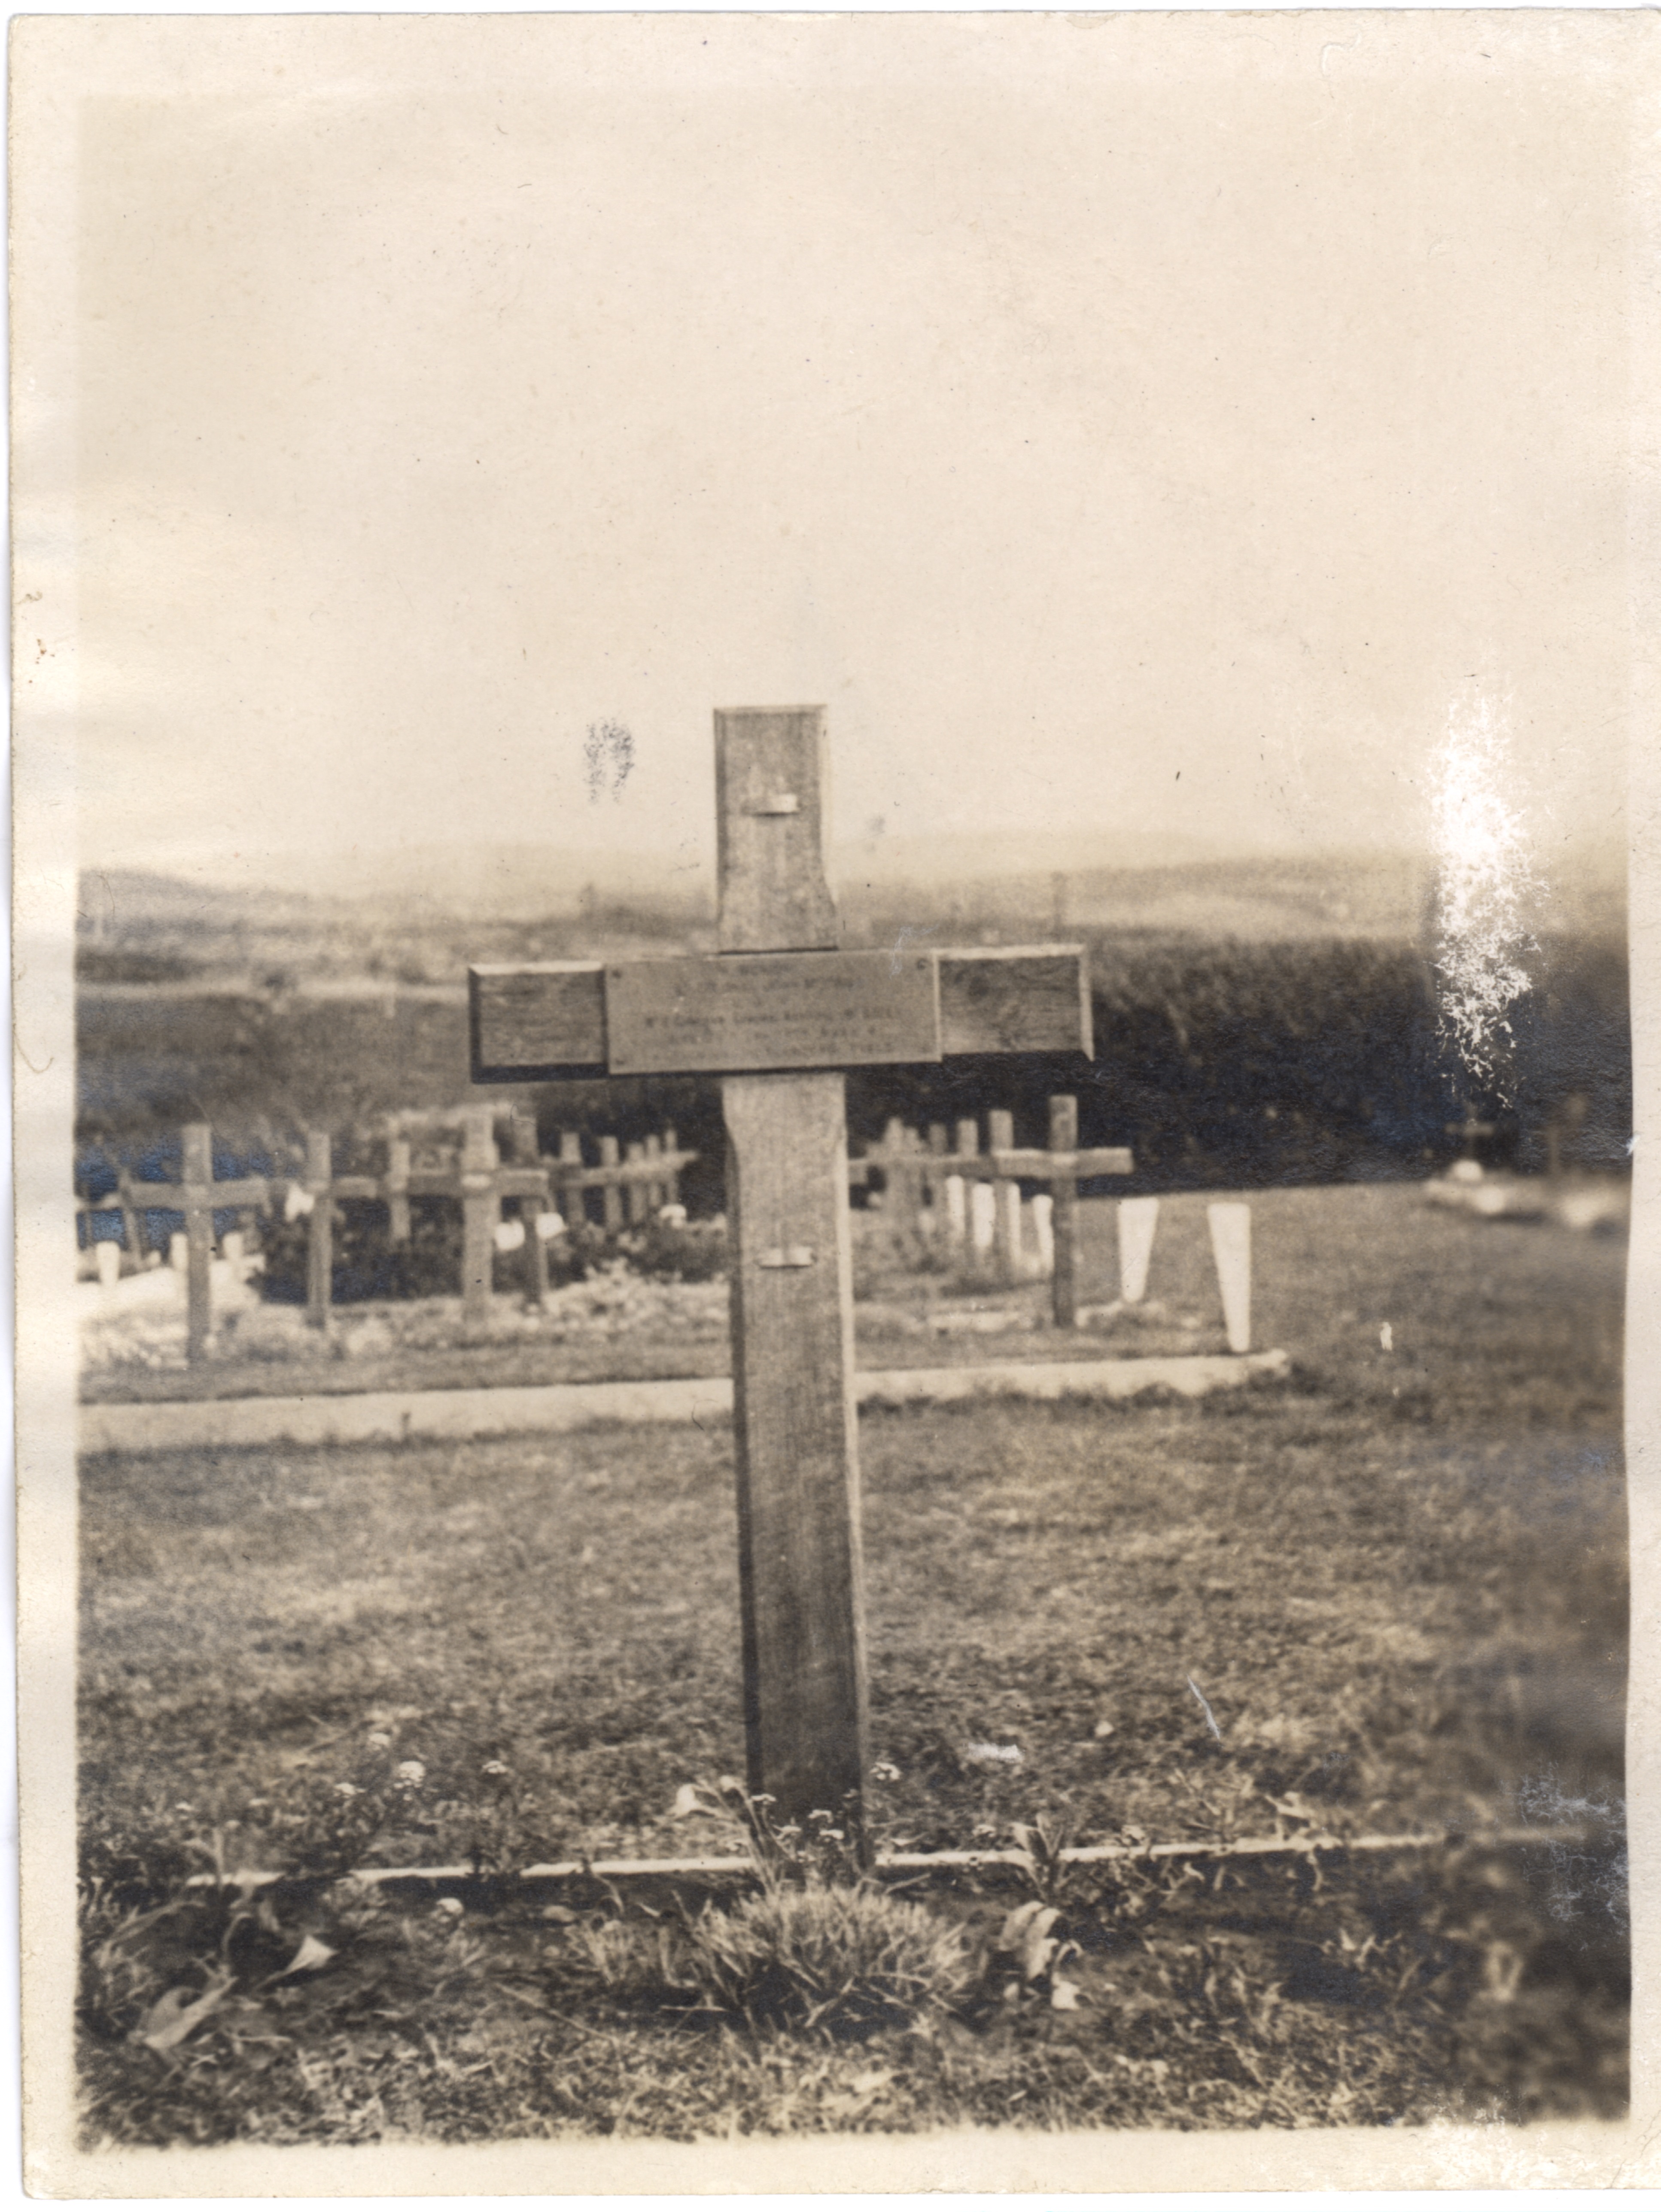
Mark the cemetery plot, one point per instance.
(1397, 1591)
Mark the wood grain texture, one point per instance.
(1021, 999)
(535, 1024)
(541, 1021)
(796, 1440)
(1064, 1221)
(197, 1167)
(774, 894)
(319, 1227)
(753, 1012)
(480, 1209)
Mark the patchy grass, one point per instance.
(1397, 1586)
(1448, 1987)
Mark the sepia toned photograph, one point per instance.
(826, 1096)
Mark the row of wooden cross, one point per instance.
(916, 1170)
(630, 1187)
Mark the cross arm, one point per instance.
(1036, 1166)
(177, 1197)
(740, 1012)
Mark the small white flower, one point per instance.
(494, 1766)
(410, 1771)
(377, 1742)
(347, 1789)
(452, 1905)
(885, 1771)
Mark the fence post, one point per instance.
(196, 1171)
(319, 1227)
(480, 1209)
(1064, 1218)
(671, 1180)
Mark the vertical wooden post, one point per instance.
(524, 1128)
(133, 1222)
(1001, 1138)
(197, 1176)
(639, 1196)
(655, 1197)
(610, 1195)
(1064, 1219)
(398, 1190)
(319, 1227)
(966, 1143)
(570, 1194)
(480, 1211)
(938, 1139)
(796, 1443)
(671, 1180)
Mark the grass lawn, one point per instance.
(1398, 1585)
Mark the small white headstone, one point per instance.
(1230, 1242)
(957, 1210)
(179, 1251)
(510, 1236)
(1138, 1219)
(983, 1216)
(1044, 1230)
(1011, 1219)
(550, 1225)
(106, 1257)
(230, 1245)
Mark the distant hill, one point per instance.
(420, 913)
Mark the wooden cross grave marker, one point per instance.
(200, 1198)
(1470, 1129)
(778, 1013)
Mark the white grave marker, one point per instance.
(1231, 1241)
(982, 1217)
(1138, 1219)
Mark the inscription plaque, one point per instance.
(758, 1011)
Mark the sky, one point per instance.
(1165, 429)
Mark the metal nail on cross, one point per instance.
(778, 1013)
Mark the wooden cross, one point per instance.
(199, 1199)
(778, 1013)
(1004, 1162)
(1470, 1129)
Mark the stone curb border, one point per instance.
(394, 1416)
(915, 1862)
